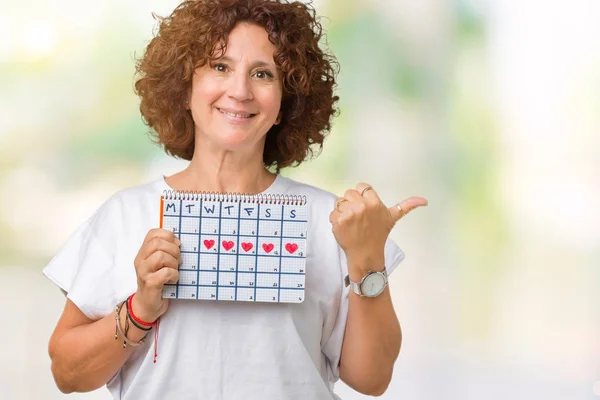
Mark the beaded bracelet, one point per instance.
(119, 331)
(140, 324)
(133, 317)
(133, 321)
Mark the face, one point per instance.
(236, 99)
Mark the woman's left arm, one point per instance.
(361, 225)
(372, 342)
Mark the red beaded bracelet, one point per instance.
(136, 319)
(144, 323)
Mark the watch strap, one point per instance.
(354, 286)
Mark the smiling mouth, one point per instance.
(234, 115)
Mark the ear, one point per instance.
(278, 120)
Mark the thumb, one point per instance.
(404, 207)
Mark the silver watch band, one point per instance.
(356, 286)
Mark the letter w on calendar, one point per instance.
(236, 248)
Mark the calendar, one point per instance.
(237, 247)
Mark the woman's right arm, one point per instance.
(84, 352)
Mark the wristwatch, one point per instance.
(371, 285)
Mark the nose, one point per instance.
(239, 87)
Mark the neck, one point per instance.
(223, 171)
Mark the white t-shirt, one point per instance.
(215, 350)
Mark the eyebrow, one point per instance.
(258, 63)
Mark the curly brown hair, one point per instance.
(196, 33)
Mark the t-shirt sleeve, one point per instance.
(84, 269)
(333, 347)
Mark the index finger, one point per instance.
(368, 192)
(162, 234)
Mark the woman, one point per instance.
(237, 87)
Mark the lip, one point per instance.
(235, 120)
(234, 111)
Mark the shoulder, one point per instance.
(148, 189)
(314, 195)
(128, 196)
(127, 206)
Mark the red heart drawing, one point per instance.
(247, 246)
(227, 244)
(209, 243)
(291, 247)
(268, 247)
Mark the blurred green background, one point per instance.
(489, 109)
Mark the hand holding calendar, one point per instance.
(155, 264)
(361, 225)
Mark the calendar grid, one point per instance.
(263, 255)
(225, 257)
(256, 258)
(179, 235)
(256, 272)
(241, 218)
(237, 254)
(219, 251)
(199, 247)
(243, 287)
(280, 254)
(251, 236)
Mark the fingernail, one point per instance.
(178, 242)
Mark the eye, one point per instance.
(263, 74)
(219, 67)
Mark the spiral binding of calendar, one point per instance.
(262, 198)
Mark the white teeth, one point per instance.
(235, 115)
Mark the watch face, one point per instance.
(373, 285)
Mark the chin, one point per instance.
(235, 140)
